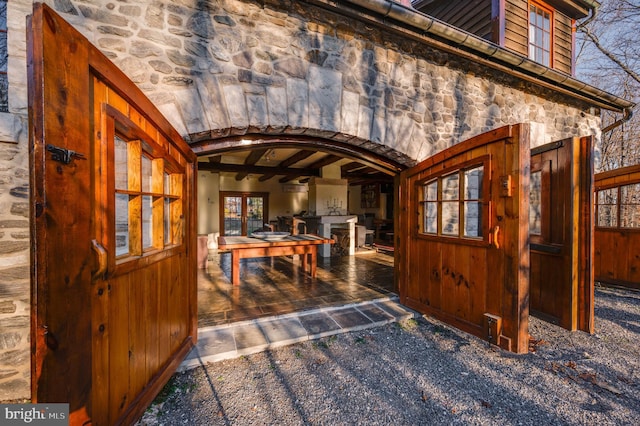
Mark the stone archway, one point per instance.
(378, 156)
(384, 159)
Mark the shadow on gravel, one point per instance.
(425, 372)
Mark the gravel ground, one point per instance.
(424, 372)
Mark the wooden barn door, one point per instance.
(113, 228)
(561, 226)
(463, 253)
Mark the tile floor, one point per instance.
(277, 286)
(278, 304)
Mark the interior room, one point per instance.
(295, 192)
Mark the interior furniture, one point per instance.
(249, 247)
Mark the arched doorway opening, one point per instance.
(297, 179)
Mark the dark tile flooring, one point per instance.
(276, 286)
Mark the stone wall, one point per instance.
(15, 351)
(238, 67)
(274, 66)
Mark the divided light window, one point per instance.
(148, 195)
(4, 56)
(619, 207)
(540, 19)
(453, 204)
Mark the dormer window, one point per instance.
(540, 19)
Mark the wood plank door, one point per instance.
(561, 226)
(462, 252)
(113, 232)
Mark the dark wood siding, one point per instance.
(516, 26)
(475, 17)
(471, 16)
(563, 43)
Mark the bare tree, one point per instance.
(609, 57)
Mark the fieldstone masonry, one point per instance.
(221, 67)
(14, 259)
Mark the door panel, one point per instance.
(114, 306)
(463, 254)
(561, 226)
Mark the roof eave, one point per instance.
(419, 26)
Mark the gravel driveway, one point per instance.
(424, 372)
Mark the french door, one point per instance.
(243, 212)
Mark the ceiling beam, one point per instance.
(378, 177)
(354, 165)
(256, 170)
(254, 156)
(298, 156)
(324, 161)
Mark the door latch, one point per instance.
(63, 155)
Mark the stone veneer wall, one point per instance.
(15, 353)
(234, 67)
(282, 66)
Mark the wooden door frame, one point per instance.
(243, 194)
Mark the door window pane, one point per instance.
(472, 219)
(255, 214)
(167, 184)
(233, 215)
(472, 192)
(121, 163)
(450, 218)
(167, 221)
(450, 187)
(535, 203)
(451, 210)
(430, 197)
(122, 224)
(146, 174)
(147, 221)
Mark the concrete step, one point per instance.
(248, 337)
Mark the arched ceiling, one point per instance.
(291, 159)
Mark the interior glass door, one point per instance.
(243, 213)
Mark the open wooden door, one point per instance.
(463, 253)
(113, 232)
(561, 226)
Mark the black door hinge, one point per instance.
(63, 155)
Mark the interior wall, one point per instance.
(281, 201)
(355, 206)
(327, 196)
(208, 202)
